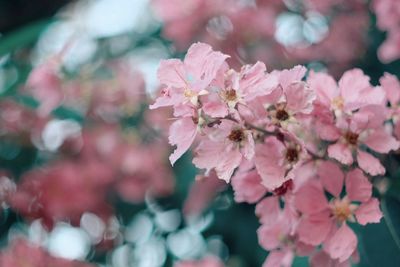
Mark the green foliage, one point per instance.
(22, 37)
(379, 243)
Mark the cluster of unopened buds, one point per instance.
(301, 145)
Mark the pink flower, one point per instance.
(247, 185)
(225, 149)
(391, 85)
(207, 261)
(292, 97)
(276, 160)
(322, 259)
(43, 194)
(202, 193)
(352, 92)
(235, 88)
(325, 222)
(142, 171)
(45, 85)
(388, 19)
(364, 127)
(276, 232)
(186, 80)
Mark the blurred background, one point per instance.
(84, 173)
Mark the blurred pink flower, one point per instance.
(325, 222)
(44, 84)
(207, 261)
(46, 194)
(203, 190)
(388, 19)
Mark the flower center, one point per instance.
(342, 210)
(236, 135)
(282, 115)
(292, 155)
(189, 93)
(351, 138)
(338, 102)
(230, 95)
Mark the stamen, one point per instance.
(230, 95)
(351, 138)
(282, 115)
(342, 209)
(292, 155)
(236, 135)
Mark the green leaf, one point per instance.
(380, 243)
(300, 262)
(184, 172)
(68, 113)
(22, 37)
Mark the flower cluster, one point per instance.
(304, 147)
(332, 32)
(110, 153)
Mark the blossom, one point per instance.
(235, 88)
(45, 85)
(387, 14)
(291, 98)
(326, 222)
(276, 160)
(391, 85)
(363, 128)
(276, 234)
(202, 192)
(42, 193)
(352, 92)
(225, 149)
(283, 142)
(247, 185)
(186, 80)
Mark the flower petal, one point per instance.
(342, 244)
(314, 229)
(310, 198)
(340, 152)
(269, 162)
(182, 134)
(358, 187)
(369, 212)
(381, 141)
(267, 210)
(172, 73)
(332, 177)
(369, 163)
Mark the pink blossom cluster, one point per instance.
(19, 123)
(107, 99)
(22, 253)
(208, 261)
(303, 147)
(388, 20)
(106, 160)
(247, 30)
(107, 164)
